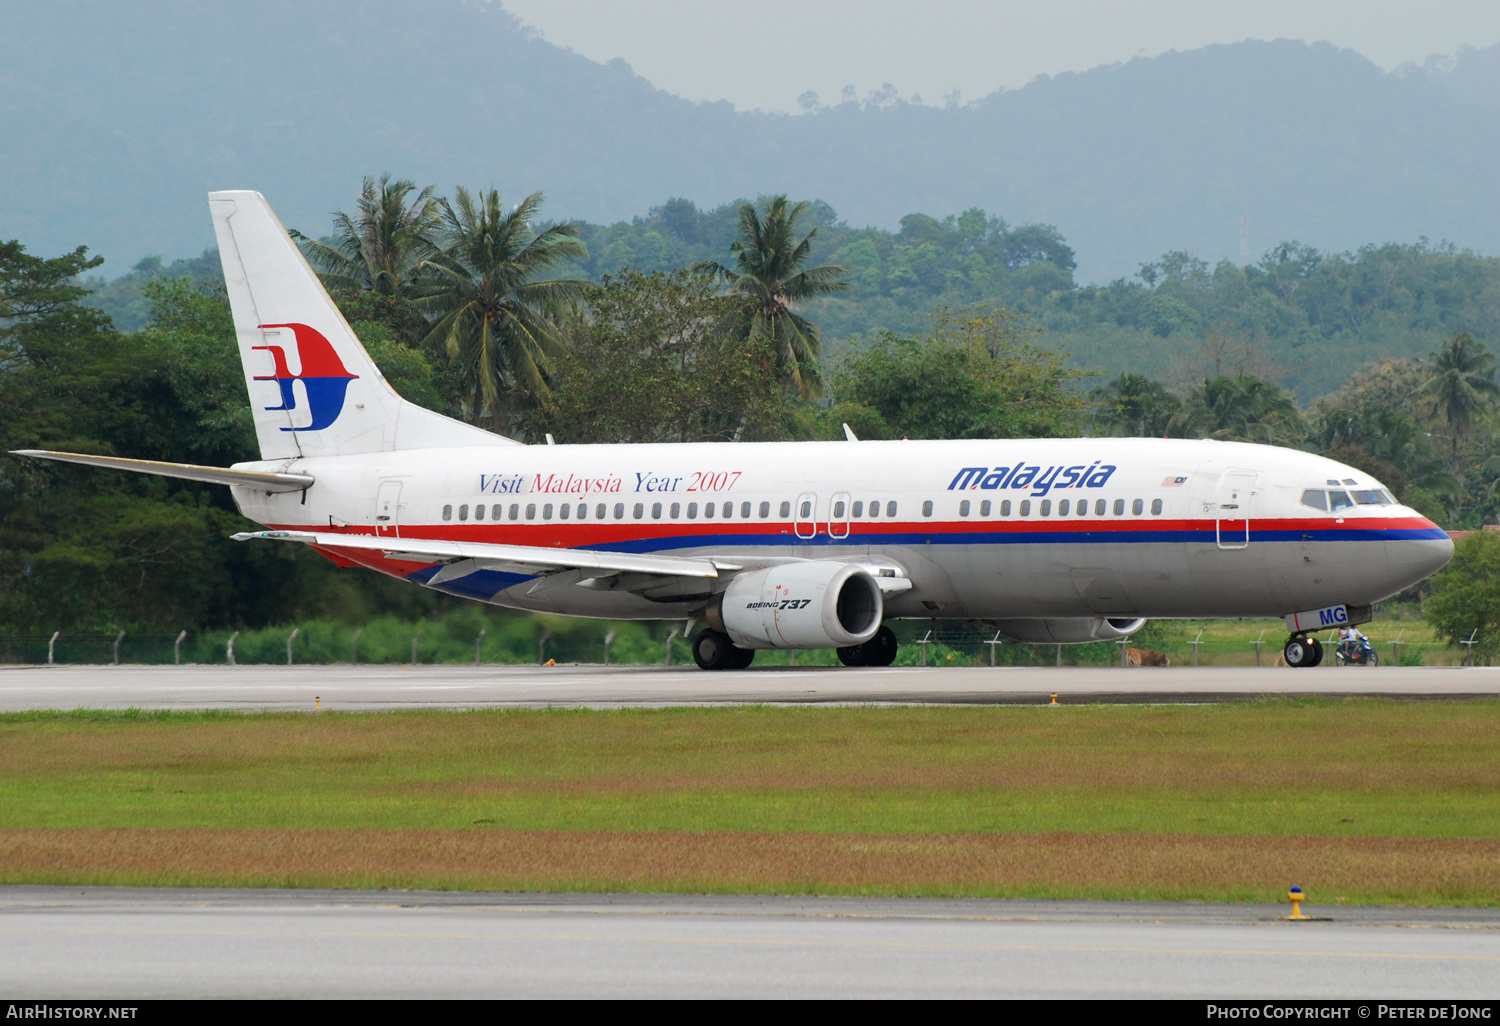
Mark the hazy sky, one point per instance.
(765, 55)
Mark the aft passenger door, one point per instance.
(1236, 496)
(387, 509)
(805, 522)
(838, 516)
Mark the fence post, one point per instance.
(669, 645)
(177, 649)
(992, 643)
(1469, 654)
(414, 640)
(1256, 643)
(1195, 643)
(118, 638)
(1059, 655)
(478, 643)
(291, 638)
(1396, 648)
(608, 640)
(541, 648)
(229, 651)
(922, 644)
(354, 648)
(1122, 643)
(50, 644)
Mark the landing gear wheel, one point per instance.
(741, 658)
(881, 649)
(713, 650)
(1301, 651)
(1317, 647)
(857, 655)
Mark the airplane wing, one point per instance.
(270, 481)
(529, 559)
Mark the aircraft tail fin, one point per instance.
(314, 391)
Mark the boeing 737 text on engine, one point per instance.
(782, 545)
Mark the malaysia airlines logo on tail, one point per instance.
(323, 376)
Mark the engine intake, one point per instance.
(818, 604)
(1069, 630)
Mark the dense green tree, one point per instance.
(1240, 408)
(655, 358)
(379, 247)
(494, 315)
(770, 280)
(1464, 597)
(1134, 405)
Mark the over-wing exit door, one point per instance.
(387, 509)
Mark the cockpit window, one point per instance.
(1372, 497)
(1316, 498)
(1339, 500)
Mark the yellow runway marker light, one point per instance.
(317, 701)
(1054, 698)
(1295, 897)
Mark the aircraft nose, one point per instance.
(1424, 552)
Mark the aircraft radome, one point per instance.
(785, 545)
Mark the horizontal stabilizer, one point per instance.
(522, 558)
(267, 480)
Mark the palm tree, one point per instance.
(378, 248)
(493, 315)
(1463, 377)
(1242, 408)
(1135, 405)
(769, 279)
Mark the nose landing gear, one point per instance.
(1302, 650)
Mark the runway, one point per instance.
(459, 687)
(131, 943)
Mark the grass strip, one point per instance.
(1110, 866)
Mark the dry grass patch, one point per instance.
(1030, 865)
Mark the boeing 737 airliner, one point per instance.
(788, 545)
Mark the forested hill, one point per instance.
(117, 118)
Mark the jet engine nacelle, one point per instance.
(818, 604)
(1071, 630)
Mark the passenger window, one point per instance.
(806, 513)
(656, 511)
(1156, 507)
(1339, 500)
(463, 512)
(619, 511)
(963, 508)
(448, 512)
(1005, 507)
(639, 511)
(583, 511)
(745, 510)
(563, 511)
(547, 511)
(875, 509)
(1098, 507)
(599, 511)
(1119, 507)
(1062, 508)
(531, 511)
(1046, 509)
(515, 511)
(1025, 510)
(859, 509)
(890, 509)
(692, 511)
(708, 510)
(786, 510)
(1316, 498)
(1137, 507)
(984, 508)
(479, 512)
(676, 510)
(838, 510)
(765, 510)
(927, 508)
(1083, 507)
(728, 511)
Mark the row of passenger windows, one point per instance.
(580, 511)
(1332, 502)
(1065, 507)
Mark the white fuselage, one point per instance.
(995, 530)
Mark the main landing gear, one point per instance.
(878, 651)
(712, 650)
(1303, 651)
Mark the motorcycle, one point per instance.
(1357, 652)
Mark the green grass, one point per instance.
(1311, 768)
